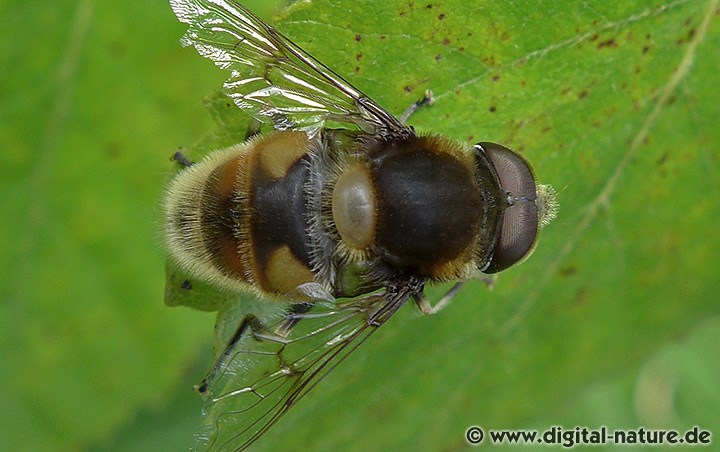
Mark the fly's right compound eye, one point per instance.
(520, 218)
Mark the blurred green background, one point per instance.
(613, 321)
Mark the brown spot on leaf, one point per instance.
(582, 296)
(495, 78)
(358, 38)
(359, 56)
(609, 43)
(408, 88)
(686, 38)
(583, 94)
(490, 61)
(446, 41)
(568, 271)
(113, 150)
(594, 37)
(610, 111)
(438, 57)
(662, 159)
(441, 16)
(645, 49)
(492, 109)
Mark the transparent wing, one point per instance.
(271, 77)
(269, 368)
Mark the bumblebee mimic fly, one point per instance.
(340, 226)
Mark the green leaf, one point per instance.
(612, 320)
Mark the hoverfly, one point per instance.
(339, 226)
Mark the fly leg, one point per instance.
(293, 315)
(425, 306)
(256, 327)
(427, 309)
(426, 100)
(251, 324)
(307, 295)
(180, 158)
(489, 280)
(252, 131)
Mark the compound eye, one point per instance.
(520, 222)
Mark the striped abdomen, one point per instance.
(238, 217)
